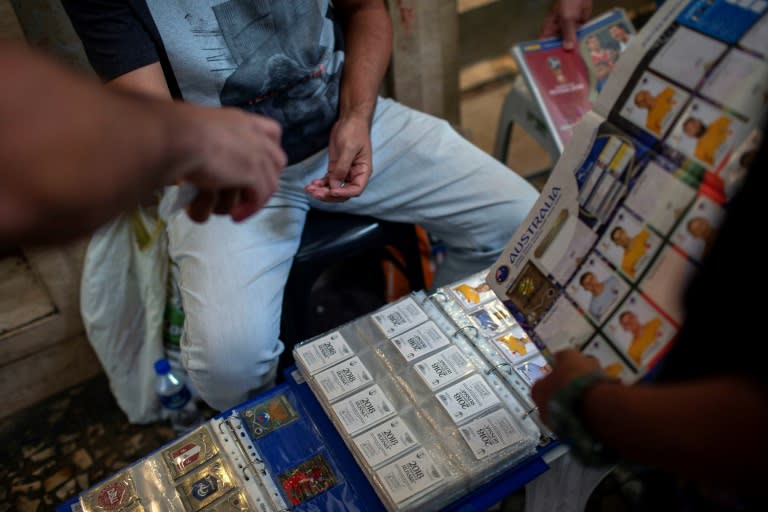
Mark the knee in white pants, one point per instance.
(226, 369)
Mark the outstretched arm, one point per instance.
(74, 154)
(368, 42)
(712, 431)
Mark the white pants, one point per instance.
(232, 275)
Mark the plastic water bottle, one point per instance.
(175, 397)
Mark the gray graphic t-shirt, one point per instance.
(278, 58)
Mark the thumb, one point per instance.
(339, 165)
(569, 33)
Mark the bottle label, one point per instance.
(176, 400)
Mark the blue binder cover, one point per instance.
(304, 455)
(303, 447)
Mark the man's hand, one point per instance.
(564, 18)
(349, 162)
(568, 365)
(235, 162)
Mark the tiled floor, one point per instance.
(56, 449)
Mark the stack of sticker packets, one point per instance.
(417, 404)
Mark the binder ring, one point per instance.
(530, 411)
(228, 421)
(234, 422)
(253, 462)
(465, 328)
(435, 296)
(496, 368)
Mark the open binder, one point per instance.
(431, 394)
(428, 406)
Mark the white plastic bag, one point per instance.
(122, 301)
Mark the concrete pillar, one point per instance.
(424, 72)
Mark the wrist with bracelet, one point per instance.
(565, 411)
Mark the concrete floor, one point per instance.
(480, 111)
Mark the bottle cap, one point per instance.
(162, 366)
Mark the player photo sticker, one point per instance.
(597, 288)
(493, 318)
(205, 485)
(265, 417)
(473, 291)
(190, 452)
(628, 244)
(654, 104)
(696, 233)
(609, 360)
(515, 345)
(706, 133)
(639, 331)
(309, 479)
(117, 494)
(533, 370)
